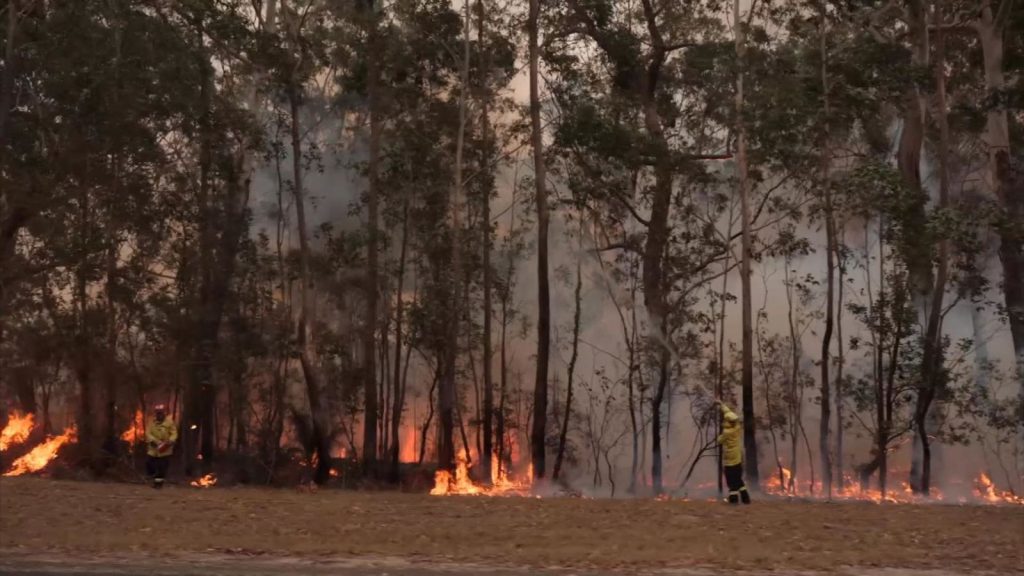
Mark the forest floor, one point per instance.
(43, 523)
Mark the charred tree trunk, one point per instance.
(538, 435)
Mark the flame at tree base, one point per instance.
(462, 485)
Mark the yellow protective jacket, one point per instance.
(731, 439)
(160, 437)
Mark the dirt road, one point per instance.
(418, 535)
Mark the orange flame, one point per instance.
(988, 492)
(135, 430)
(17, 430)
(42, 454)
(461, 484)
(900, 493)
(205, 481)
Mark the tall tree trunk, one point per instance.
(446, 391)
(747, 378)
(82, 339)
(991, 27)
(506, 298)
(485, 222)
(373, 251)
(538, 435)
(795, 393)
(840, 422)
(918, 249)
(572, 360)
(881, 398)
(399, 394)
(825, 444)
(308, 354)
(932, 358)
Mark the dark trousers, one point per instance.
(737, 489)
(156, 468)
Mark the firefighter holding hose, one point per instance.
(160, 437)
(731, 440)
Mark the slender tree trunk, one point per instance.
(881, 431)
(933, 357)
(720, 375)
(795, 394)
(373, 250)
(538, 435)
(425, 430)
(399, 395)
(747, 378)
(840, 422)
(446, 391)
(308, 355)
(572, 361)
(485, 229)
(825, 444)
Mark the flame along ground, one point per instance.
(983, 490)
(42, 454)
(17, 430)
(205, 482)
(20, 426)
(462, 484)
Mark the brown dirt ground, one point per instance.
(39, 515)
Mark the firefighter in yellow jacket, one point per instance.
(161, 434)
(731, 440)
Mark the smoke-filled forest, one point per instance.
(517, 246)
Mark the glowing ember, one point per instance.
(136, 430)
(334, 473)
(17, 430)
(42, 454)
(205, 481)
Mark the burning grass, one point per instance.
(982, 491)
(42, 454)
(462, 484)
(45, 516)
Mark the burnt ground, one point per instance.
(65, 527)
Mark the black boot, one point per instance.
(734, 498)
(745, 495)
